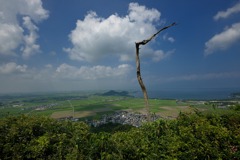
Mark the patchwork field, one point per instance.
(92, 106)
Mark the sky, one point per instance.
(59, 45)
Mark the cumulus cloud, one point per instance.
(230, 11)
(223, 40)
(20, 36)
(10, 38)
(95, 37)
(12, 67)
(30, 47)
(91, 73)
(142, 14)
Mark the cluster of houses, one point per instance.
(122, 117)
(43, 107)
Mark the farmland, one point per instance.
(91, 105)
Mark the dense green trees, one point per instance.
(191, 136)
(27, 137)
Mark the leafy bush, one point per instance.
(112, 128)
(190, 136)
(27, 137)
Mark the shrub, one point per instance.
(190, 136)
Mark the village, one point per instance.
(122, 117)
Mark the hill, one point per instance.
(116, 93)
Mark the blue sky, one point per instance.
(58, 45)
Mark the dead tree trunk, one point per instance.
(140, 81)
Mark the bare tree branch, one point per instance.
(140, 81)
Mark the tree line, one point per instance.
(192, 135)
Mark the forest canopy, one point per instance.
(196, 135)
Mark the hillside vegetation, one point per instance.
(192, 135)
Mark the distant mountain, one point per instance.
(116, 93)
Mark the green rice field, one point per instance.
(91, 105)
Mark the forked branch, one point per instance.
(140, 81)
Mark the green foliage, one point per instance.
(27, 137)
(112, 128)
(190, 136)
(235, 107)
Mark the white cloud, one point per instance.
(155, 55)
(15, 35)
(225, 14)
(159, 55)
(20, 78)
(33, 8)
(66, 71)
(223, 40)
(10, 38)
(30, 47)
(12, 68)
(95, 37)
(142, 14)
(91, 73)
(170, 39)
